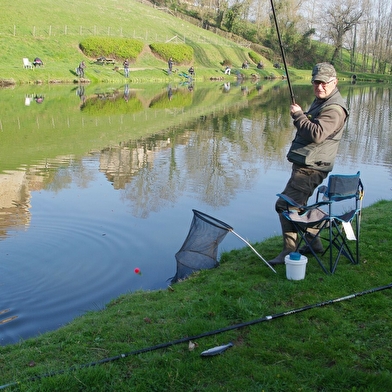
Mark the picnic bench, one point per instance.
(105, 61)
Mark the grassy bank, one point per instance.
(55, 35)
(54, 32)
(341, 347)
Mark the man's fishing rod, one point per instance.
(205, 334)
(283, 55)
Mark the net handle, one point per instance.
(254, 250)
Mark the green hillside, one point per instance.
(53, 30)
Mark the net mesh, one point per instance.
(200, 249)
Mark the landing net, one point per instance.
(200, 249)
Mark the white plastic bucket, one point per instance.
(295, 266)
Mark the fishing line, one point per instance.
(283, 54)
(205, 334)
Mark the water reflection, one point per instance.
(229, 146)
(80, 92)
(98, 181)
(126, 92)
(14, 202)
(371, 140)
(33, 97)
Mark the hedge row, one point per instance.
(118, 48)
(128, 48)
(255, 57)
(180, 53)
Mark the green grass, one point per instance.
(340, 347)
(53, 32)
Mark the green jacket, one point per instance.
(319, 131)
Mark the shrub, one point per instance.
(262, 50)
(120, 48)
(180, 53)
(254, 56)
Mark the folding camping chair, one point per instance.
(336, 217)
(27, 63)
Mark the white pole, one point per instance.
(254, 250)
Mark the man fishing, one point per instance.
(313, 151)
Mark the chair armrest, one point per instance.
(303, 209)
(289, 200)
(322, 190)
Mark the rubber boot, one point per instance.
(315, 242)
(289, 241)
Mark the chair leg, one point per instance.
(307, 238)
(339, 242)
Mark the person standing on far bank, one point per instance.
(313, 151)
(80, 69)
(170, 65)
(126, 68)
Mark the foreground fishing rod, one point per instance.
(210, 333)
(283, 55)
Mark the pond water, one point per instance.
(98, 181)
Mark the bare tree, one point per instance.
(365, 33)
(340, 18)
(259, 13)
(362, 27)
(382, 38)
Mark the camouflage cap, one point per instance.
(323, 72)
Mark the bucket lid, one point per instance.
(295, 256)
